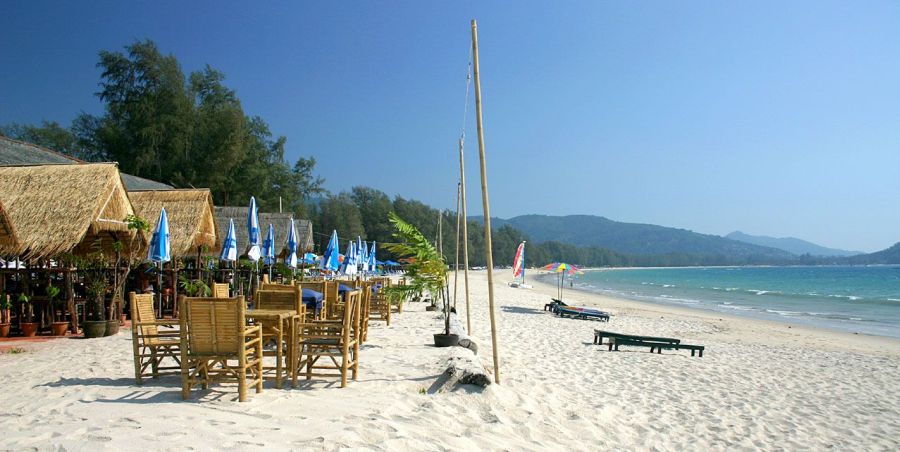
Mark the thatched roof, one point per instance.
(191, 217)
(281, 221)
(54, 208)
(7, 233)
(15, 152)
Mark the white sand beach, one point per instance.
(759, 385)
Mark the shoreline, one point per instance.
(737, 328)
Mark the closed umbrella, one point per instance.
(229, 246)
(350, 260)
(160, 251)
(372, 261)
(364, 257)
(330, 256)
(268, 249)
(291, 246)
(253, 251)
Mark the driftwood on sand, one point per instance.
(463, 364)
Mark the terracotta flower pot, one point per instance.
(29, 329)
(59, 328)
(4, 330)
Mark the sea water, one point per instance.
(864, 299)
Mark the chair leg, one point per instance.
(154, 363)
(137, 364)
(242, 384)
(345, 362)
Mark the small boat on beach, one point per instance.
(519, 268)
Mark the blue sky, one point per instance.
(776, 118)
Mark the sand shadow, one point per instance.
(521, 310)
(165, 382)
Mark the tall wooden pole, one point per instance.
(456, 262)
(465, 232)
(484, 199)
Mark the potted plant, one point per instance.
(29, 326)
(194, 287)
(95, 286)
(56, 328)
(5, 319)
(426, 272)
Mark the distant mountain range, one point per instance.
(792, 245)
(636, 238)
(886, 256)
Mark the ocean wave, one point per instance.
(784, 313)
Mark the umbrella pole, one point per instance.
(159, 287)
(485, 201)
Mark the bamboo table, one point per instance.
(279, 321)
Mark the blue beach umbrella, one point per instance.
(310, 258)
(364, 257)
(372, 260)
(253, 251)
(291, 246)
(268, 249)
(350, 259)
(229, 246)
(160, 251)
(330, 256)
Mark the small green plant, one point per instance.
(27, 308)
(422, 390)
(5, 302)
(52, 293)
(194, 287)
(16, 350)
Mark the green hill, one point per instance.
(639, 239)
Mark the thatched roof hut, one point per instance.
(281, 221)
(56, 208)
(15, 152)
(192, 223)
(7, 233)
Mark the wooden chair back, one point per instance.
(274, 286)
(220, 290)
(213, 326)
(142, 311)
(290, 299)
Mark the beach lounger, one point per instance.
(582, 313)
(614, 344)
(217, 345)
(600, 334)
(553, 305)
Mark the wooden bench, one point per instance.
(615, 342)
(600, 334)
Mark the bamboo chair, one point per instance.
(335, 340)
(213, 335)
(220, 290)
(379, 306)
(150, 346)
(287, 298)
(329, 289)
